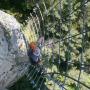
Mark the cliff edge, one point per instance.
(13, 52)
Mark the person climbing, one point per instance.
(34, 53)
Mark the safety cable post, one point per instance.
(30, 72)
(41, 31)
(37, 24)
(60, 33)
(36, 70)
(68, 52)
(38, 80)
(27, 74)
(53, 37)
(34, 25)
(83, 29)
(33, 78)
(60, 27)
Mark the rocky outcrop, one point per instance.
(13, 52)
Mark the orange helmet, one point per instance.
(33, 45)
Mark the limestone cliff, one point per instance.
(13, 52)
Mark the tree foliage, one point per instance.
(58, 22)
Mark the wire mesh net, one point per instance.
(65, 53)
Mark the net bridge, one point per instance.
(65, 52)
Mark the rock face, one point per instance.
(13, 52)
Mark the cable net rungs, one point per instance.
(65, 52)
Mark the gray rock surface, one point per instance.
(13, 52)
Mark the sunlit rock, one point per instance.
(13, 52)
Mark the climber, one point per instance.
(34, 53)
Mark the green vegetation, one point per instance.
(22, 84)
(56, 22)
